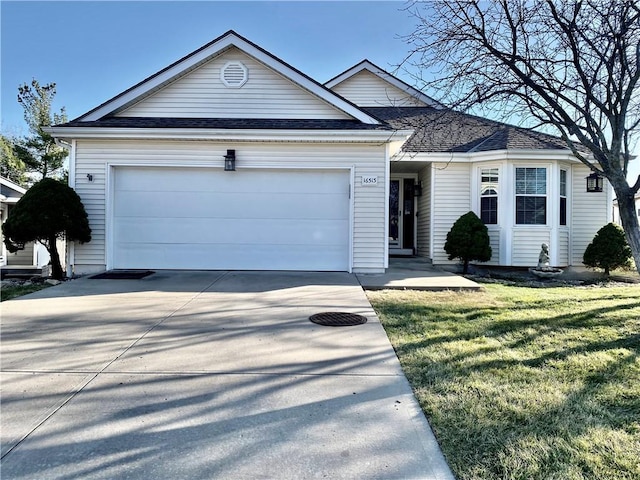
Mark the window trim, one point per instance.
(544, 196)
(492, 171)
(562, 206)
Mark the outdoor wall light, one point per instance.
(89, 177)
(417, 189)
(230, 161)
(594, 182)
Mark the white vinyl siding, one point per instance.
(368, 224)
(92, 193)
(526, 245)
(451, 199)
(423, 223)
(589, 212)
(21, 257)
(202, 94)
(563, 248)
(368, 90)
(494, 241)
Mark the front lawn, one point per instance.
(12, 291)
(525, 383)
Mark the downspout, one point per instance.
(387, 173)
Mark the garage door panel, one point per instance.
(203, 218)
(229, 205)
(198, 230)
(230, 257)
(152, 179)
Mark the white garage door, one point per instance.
(199, 218)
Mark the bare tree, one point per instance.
(572, 68)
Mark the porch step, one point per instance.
(410, 263)
(19, 272)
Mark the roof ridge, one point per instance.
(493, 135)
(497, 123)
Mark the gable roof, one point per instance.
(439, 130)
(387, 77)
(205, 53)
(10, 192)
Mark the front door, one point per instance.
(401, 216)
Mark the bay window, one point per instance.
(531, 196)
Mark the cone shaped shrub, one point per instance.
(468, 240)
(49, 210)
(608, 249)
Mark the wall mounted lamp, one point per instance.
(89, 177)
(230, 161)
(594, 182)
(417, 189)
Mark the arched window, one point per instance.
(489, 195)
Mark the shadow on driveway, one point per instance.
(206, 375)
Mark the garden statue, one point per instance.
(543, 258)
(544, 269)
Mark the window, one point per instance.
(531, 196)
(563, 197)
(489, 196)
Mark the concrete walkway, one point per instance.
(203, 375)
(415, 273)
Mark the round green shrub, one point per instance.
(468, 240)
(608, 250)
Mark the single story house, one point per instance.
(33, 255)
(230, 158)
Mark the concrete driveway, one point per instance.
(203, 375)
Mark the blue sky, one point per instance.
(95, 50)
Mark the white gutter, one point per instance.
(263, 135)
(491, 156)
(62, 143)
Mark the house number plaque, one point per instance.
(369, 181)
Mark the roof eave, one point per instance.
(14, 186)
(263, 135)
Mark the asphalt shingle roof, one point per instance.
(227, 123)
(438, 130)
(435, 130)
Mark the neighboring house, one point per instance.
(327, 177)
(33, 254)
(616, 211)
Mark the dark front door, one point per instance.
(402, 216)
(408, 212)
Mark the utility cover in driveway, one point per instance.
(338, 319)
(251, 219)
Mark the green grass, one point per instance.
(525, 383)
(7, 293)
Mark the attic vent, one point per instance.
(234, 74)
